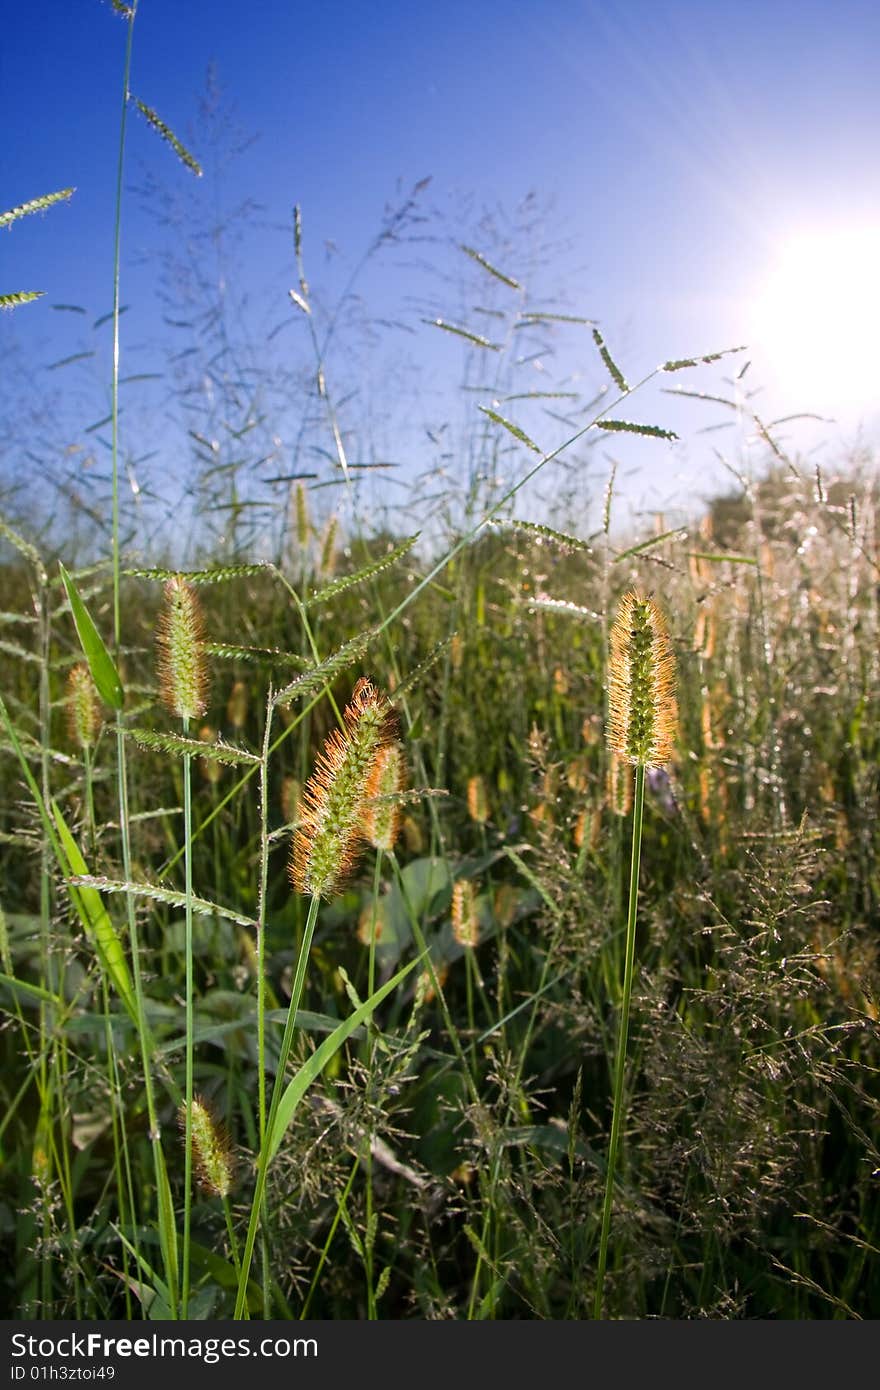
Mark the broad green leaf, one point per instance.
(101, 664)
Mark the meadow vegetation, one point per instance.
(234, 1081)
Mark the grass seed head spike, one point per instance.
(465, 921)
(211, 1147)
(641, 684)
(477, 800)
(183, 670)
(330, 835)
(83, 706)
(387, 779)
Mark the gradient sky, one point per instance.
(681, 144)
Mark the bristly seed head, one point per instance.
(465, 921)
(183, 671)
(330, 835)
(211, 1148)
(641, 684)
(386, 780)
(83, 706)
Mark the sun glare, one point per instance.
(817, 317)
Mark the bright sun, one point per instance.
(817, 320)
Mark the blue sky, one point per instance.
(676, 146)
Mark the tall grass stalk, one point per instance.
(264, 1158)
(641, 730)
(622, 1037)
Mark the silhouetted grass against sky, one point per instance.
(705, 176)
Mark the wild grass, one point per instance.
(450, 1161)
(401, 1085)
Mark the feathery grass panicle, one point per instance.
(83, 707)
(328, 840)
(183, 670)
(382, 815)
(641, 684)
(211, 1148)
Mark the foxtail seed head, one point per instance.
(641, 684)
(211, 1149)
(465, 921)
(83, 706)
(330, 835)
(387, 779)
(477, 800)
(183, 671)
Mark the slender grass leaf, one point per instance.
(513, 429)
(104, 673)
(96, 920)
(720, 559)
(66, 361)
(679, 533)
(312, 1068)
(700, 396)
(108, 318)
(167, 1223)
(35, 991)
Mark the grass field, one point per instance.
(449, 1160)
(314, 993)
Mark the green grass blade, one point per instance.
(322, 1055)
(101, 664)
(96, 920)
